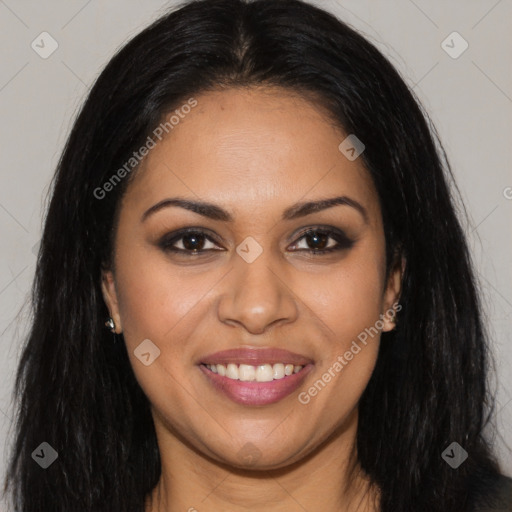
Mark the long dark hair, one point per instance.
(76, 389)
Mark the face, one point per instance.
(263, 284)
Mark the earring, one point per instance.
(111, 325)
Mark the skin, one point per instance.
(253, 152)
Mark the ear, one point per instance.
(390, 303)
(108, 288)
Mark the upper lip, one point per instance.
(256, 356)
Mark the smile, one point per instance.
(250, 373)
(254, 392)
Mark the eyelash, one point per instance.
(343, 242)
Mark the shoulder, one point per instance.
(497, 497)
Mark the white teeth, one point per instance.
(232, 371)
(278, 371)
(248, 373)
(264, 373)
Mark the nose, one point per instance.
(257, 295)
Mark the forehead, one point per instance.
(252, 149)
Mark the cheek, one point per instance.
(160, 303)
(348, 299)
(153, 294)
(349, 303)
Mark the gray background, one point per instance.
(469, 99)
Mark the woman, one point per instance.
(251, 198)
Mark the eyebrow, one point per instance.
(295, 211)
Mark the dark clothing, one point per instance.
(498, 498)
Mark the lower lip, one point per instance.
(257, 393)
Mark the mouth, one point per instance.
(255, 377)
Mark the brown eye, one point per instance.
(191, 241)
(317, 240)
(320, 241)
